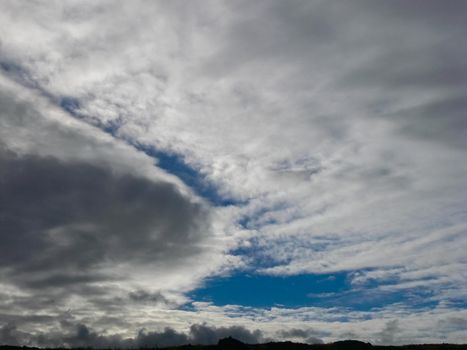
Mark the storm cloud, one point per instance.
(62, 221)
(80, 336)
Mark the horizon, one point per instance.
(176, 171)
(229, 342)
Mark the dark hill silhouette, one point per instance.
(351, 345)
(230, 343)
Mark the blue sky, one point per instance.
(324, 290)
(269, 170)
(266, 291)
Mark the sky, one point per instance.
(179, 171)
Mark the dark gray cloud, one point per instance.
(453, 324)
(62, 220)
(333, 32)
(309, 336)
(443, 120)
(168, 337)
(409, 68)
(142, 296)
(444, 15)
(80, 336)
(388, 49)
(85, 337)
(416, 64)
(204, 334)
(9, 334)
(412, 47)
(197, 334)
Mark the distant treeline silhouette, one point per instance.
(234, 344)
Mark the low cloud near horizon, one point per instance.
(80, 336)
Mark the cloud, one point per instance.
(394, 325)
(197, 334)
(143, 296)
(80, 215)
(89, 222)
(85, 337)
(390, 333)
(9, 335)
(309, 336)
(168, 337)
(203, 334)
(81, 335)
(338, 129)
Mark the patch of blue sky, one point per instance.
(366, 299)
(69, 104)
(266, 291)
(176, 165)
(306, 290)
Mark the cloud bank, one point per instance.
(80, 336)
